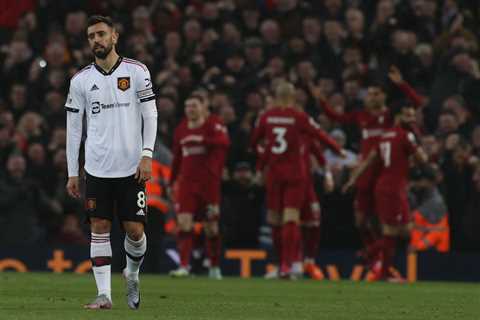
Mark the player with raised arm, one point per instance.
(115, 96)
(281, 129)
(198, 148)
(372, 121)
(392, 152)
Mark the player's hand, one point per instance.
(258, 178)
(343, 154)
(144, 170)
(395, 75)
(73, 187)
(328, 183)
(348, 186)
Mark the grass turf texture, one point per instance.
(61, 296)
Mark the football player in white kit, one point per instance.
(115, 95)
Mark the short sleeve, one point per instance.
(76, 99)
(143, 85)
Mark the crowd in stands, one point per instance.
(236, 49)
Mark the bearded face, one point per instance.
(101, 38)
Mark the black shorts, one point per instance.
(125, 197)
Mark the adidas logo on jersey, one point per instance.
(94, 87)
(140, 212)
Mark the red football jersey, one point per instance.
(199, 153)
(395, 148)
(372, 127)
(282, 130)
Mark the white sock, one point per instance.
(101, 255)
(135, 251)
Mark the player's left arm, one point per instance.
(357, 172)
(317, 152)
(396, 77)
(148, 108)
(217, 135)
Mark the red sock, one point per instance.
(184, 244)
(277, 241)
(389, 246)
(290, 243)
(213, 250)
(311, 241)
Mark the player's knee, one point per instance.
(98, 225)
(211, 229)
(291, 215)
(273, 218)
(394, 231)
(213, 212)
(185, 222)
(134, 230)
(360, 220)
(311, 224)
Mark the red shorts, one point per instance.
(200, 199)
(283, 194)
(311, 212)
(392, 207)
(364, 202)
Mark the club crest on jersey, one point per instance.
(123, 83)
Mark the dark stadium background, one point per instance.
(235, 49)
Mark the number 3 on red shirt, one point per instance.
(280, 142)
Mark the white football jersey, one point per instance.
(114, 104)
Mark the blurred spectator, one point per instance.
(457, 170)
(339, 166)
(237, 50)
(430, 217)
(26, 212)
(7, 145)
(242, 203)
(70, 232)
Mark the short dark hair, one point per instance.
(397, 106)
(92, 20)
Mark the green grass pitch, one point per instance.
(61, 296)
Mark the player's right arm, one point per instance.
(357, 172)
(75, 107)
(347, 117)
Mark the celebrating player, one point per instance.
(281, 129)
(372, 121)
(199, 146)
(394, 149)
(115, 94)
(311, 210)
